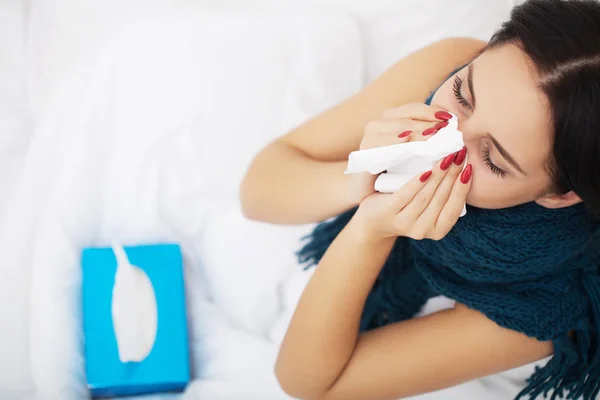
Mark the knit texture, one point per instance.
(527, 268)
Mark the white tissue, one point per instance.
(134, 309)
(406, 160)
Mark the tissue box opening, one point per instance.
(166, 367)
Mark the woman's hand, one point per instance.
(408, 123)
(427, 207)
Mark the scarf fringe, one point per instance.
(574, 370)
(320, 239)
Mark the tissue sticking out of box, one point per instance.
(134, 309)
(404, 161)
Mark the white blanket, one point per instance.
(149, 143)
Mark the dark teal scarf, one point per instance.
(527, 268)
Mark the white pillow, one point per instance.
(61, 30)
(414, 24)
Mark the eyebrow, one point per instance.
(470, 83)
(505, 154)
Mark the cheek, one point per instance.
(480, 185)
(485, 188)
(490, 191)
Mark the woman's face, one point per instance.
(506, 125)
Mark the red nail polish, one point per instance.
(465, 177)
(404, 134)
(425, 176)
(441, 125)
(429, 131)
(443, 115)
(447, 162)
(460, 156)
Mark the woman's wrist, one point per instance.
(358, 187)
(363, 232)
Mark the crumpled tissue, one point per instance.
(402, 162)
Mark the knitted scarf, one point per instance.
(527, 268)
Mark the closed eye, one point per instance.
(496, 170)
(457, 89)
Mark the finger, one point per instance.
(456, 202)
(390, 130)
(419, 202)
(384, 139)
(396, 126)
(406, 193)
(386, 133)
(428, 132)
(417, 111)
(429, 217)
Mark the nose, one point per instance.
(470, 132)
(470, 137)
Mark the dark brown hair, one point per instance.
(562, 40)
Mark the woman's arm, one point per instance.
(324, 357)
(299, 177)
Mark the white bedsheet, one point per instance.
(149, 143)
(15, 128)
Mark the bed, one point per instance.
(115, 116)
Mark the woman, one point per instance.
(522, 265)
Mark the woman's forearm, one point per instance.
(324, 330)
(285, 186)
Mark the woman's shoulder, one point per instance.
(450, 52)
(420, 72)
(460, 44)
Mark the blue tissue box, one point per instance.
(167, 366)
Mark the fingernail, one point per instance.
(404, 134)
(441, 125)
(460, 156)
(447, 162)
(429, 131)
(425, 176)
(443, 115)
(465, 177)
